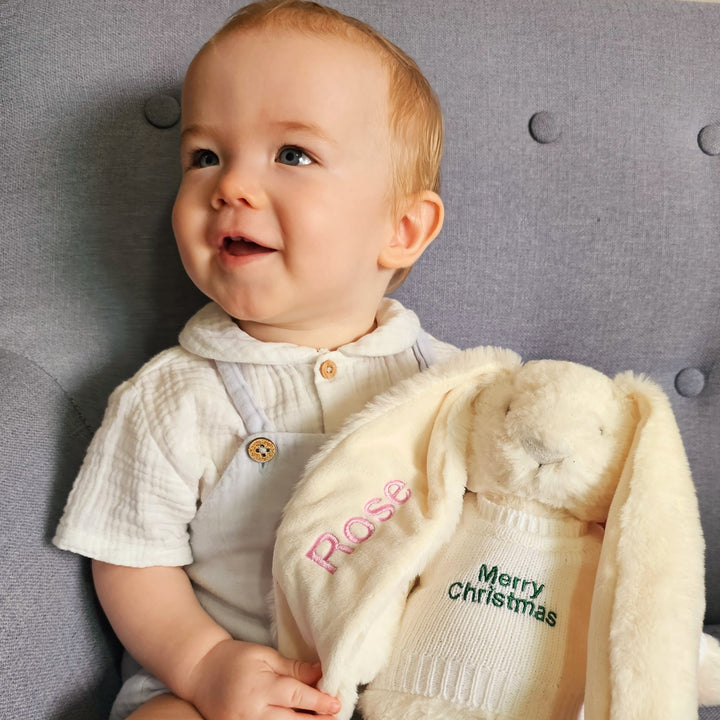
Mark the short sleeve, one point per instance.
(129, 505)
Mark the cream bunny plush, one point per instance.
(484, 483)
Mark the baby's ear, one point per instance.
(417, 226)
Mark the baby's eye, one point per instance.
(290, 155)
(204, 158)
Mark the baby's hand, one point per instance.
(242, 681)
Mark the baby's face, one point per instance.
(285, 202)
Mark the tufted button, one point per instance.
(162, 111)
(545, 127)
(709, 139)
(328, 369)
(690, 382)
(261, 450)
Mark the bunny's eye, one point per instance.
(602, 430)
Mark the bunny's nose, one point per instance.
(540, 452)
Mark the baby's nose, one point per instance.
(237, 185)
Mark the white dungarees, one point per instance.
(232, 535)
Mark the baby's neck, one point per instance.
(320, 338)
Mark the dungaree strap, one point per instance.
(252, 414)
(424, 352)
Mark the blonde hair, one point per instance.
(415, 116)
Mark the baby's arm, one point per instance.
(159, 620)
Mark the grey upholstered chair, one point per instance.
(582, 183)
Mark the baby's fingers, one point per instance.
(289, 692)
(304, 672)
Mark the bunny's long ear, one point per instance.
(649, 597)
(369, 514)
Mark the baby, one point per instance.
(310, 150)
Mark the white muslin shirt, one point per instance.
(170, 431)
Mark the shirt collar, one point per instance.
(211, 333)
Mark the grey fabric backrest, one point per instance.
(581, 179)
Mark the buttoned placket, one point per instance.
(331, 388)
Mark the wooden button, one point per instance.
(261, 450)
(328, 369)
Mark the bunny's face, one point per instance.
(553, 432)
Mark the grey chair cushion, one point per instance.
(58, 657)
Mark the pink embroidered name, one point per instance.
(358, 529)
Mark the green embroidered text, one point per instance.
(521, 595)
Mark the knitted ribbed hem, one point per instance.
(450, 680)
(474, 687)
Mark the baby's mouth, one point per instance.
(241, 247)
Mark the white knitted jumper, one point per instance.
(498, 623)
